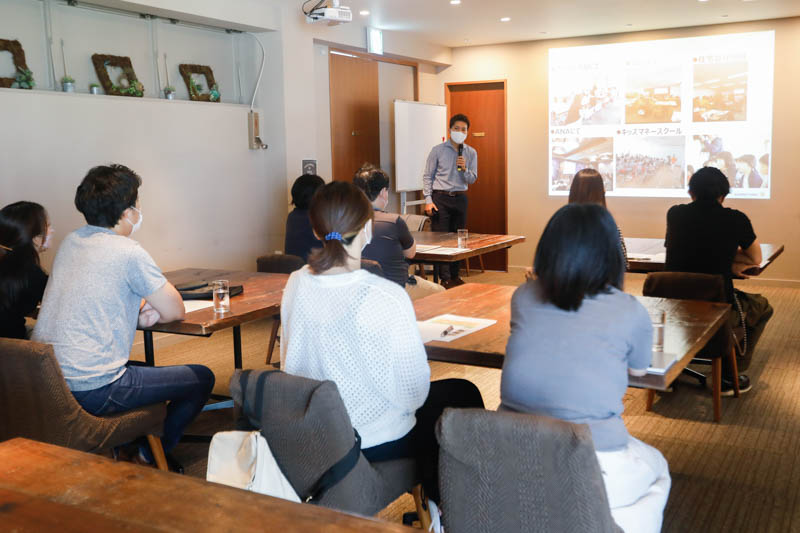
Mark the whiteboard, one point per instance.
(418, 128)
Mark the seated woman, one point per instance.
(359, 330)
(575, 337)
(588, 188)
(300, 239)
(25, 232)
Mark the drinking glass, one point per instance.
(463, 236)
(222, 295)
(659, 319)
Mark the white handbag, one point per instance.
(243, 459)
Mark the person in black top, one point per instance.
(392, 242)
(705, 237)
(300, 239)
(24, 233)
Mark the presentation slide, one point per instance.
(646, 115)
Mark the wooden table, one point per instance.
(690, 325)
(261, 299)
(48, 488)
(477, 244)
(769, 253)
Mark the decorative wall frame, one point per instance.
(195, 94)
(18, 55)
(101, 63)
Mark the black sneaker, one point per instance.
(744, 385)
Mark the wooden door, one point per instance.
(484, 103)
(355, 119)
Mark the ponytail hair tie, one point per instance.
(333, 236)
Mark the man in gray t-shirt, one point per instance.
(103, 284)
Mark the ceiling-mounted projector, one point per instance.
(335, 14)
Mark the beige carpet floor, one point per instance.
(742, 474)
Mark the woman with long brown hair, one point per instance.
(342, 323)
(588, 188)
(25, 232)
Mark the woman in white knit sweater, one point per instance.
(343, 324)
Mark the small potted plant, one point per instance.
(169, 92)
(68, 84)
(94, 88)
(23, 79)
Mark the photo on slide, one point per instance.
(651, 162)
(744, 162)
(569, 155)
(653, 93)
(720, 90)
(584, 96)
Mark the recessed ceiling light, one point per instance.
(724, 16)
(505, 19)
(455, 2)
(629, 25)
(704, 1)
(363, 12)
(543, 32)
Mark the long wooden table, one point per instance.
(261, 299)
(48, 488)
(477, 244)
(690, 325)
(655, 247)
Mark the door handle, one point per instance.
(354, 133)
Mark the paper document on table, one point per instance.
(196, 305)
(653, 258)
(426, 247)
(447, 251)
(446, 328)
(661, 362)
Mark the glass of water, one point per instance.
(659, 319)
(463, 236)
(221, 290)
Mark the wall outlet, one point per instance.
(254, 137)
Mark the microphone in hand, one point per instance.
(460, 167)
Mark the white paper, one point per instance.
(653, 258)
(196, 305)
(432, 330)
(426, 247)
(447, 251)
(661, 362)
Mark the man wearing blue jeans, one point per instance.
(103, 283)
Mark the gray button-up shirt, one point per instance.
(441, 172)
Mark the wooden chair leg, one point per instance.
(466, 263)
(735, 369)
(421, 503)
(716, 387)
(483, 268)
(651, 396)
(273, 336)
(158, 452)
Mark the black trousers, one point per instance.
(451, 216)
(420, 443)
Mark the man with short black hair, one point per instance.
(451, 168)
(707, 238)
(300, 238)
(103, 284)
(392, 243)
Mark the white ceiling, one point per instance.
(476, 22)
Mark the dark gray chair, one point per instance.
(501, 471)
(308, 430)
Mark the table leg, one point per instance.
(149, 352)
(237, 347)
(436, 272)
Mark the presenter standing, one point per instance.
(452, 167)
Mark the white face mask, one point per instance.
(47, 240)
(367, 234)
(458, 136)
(138, 224)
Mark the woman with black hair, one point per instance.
(25, 232)
(575, 337)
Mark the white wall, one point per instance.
(395, 82)
(207, 200)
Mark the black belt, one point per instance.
(450, 193)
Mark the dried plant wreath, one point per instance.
(101, 63)
(18, 55)
(196, 91)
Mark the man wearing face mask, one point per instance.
(392, 243)
(451, 168)
(103, 284)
